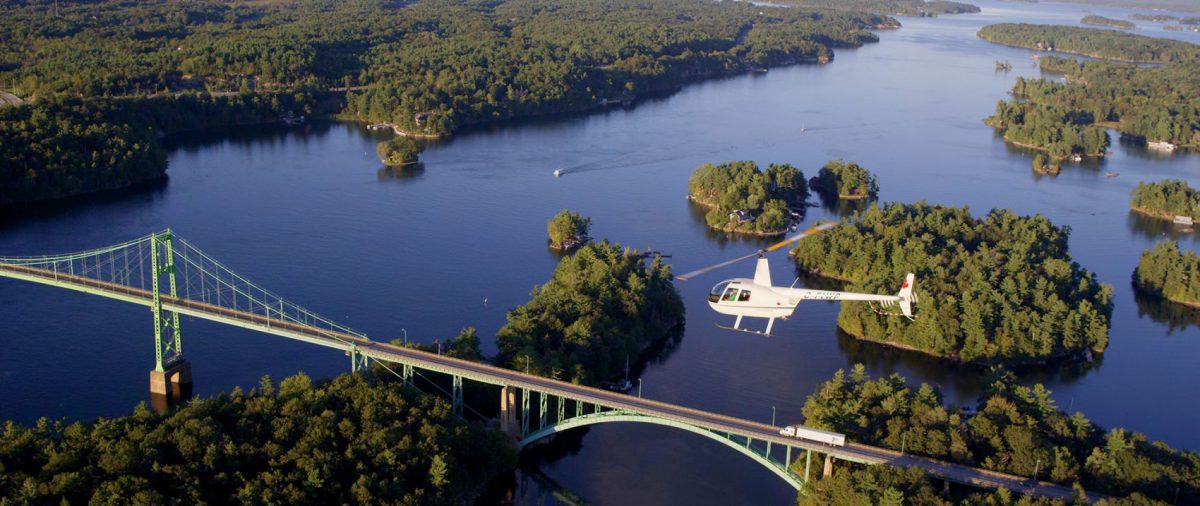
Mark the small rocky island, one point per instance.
(1165, 272)
(841, 180)
(568, 230)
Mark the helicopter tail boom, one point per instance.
(906, 296)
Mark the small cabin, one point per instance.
(1182, 220)
(741, 216)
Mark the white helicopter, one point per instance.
(758, 298)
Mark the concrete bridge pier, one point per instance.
(171, 385)
(508, 413)
(828, 471)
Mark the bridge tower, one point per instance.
(171, 377)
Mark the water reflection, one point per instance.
(142, 194)
(407, 173)
(1156, 228)
(255, 136)
(1177, 317)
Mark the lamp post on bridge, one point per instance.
(772, 415)
(405, 331)
(639, 388)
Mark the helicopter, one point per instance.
(758, 298)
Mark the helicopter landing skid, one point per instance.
(748, 331)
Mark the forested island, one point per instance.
(568, 230)
(839, 179)
(1151, 105)
(1095, 20)
(1001, 289)
(747, 200)
(428, 67)
(919, 8)
(398, 151)
(1104, 44)
(1166, 199)
(1013, 429)
(1166, 272)
(351, 440)
(1157, 18)
(603, 307)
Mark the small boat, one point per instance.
(558, 172)
(1112, 174)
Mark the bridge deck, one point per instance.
(506, 377)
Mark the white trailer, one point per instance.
(822, 436)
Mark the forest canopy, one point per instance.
(1097, 43)
(839, 179)
(568, 229)
(1103, 21)
(349, 440)
(429, 67)
(894, 7)
(602, 307)
(1012, 429)
(743, 198)
(1144, 104)
(997, 289)
(1167, 272)
(1166, 199)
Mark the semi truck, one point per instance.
(802, 432)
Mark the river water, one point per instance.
(307, 212)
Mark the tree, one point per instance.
(568, 230)
(398, 151)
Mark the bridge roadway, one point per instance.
(506, 377)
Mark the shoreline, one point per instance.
(763, 233)
(1152, 214)
(1062, 355)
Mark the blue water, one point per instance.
(308, 213)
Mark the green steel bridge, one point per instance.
(172, 277)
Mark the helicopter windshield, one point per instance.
(722, 292)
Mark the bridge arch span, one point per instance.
(619, 416)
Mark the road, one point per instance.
(506, 377)
(7, 98)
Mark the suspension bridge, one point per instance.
(172, 277)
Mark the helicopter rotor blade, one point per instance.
(819, 228)
(697, 272)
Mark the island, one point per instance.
(353, 439)
(98, 85)
(917, 8)
(602, 308)
(1157, 18)
(1001, 289)
(1013, 428)
(1043, 165)
(568, 230)
(1095, 20)
(1152, 105)
(1113, 45)
(841, 180)
(1166, 272)
(1168, 199)
(746, 200)
(398, 151)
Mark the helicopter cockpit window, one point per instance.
(730, 294)
(719, 292)
(744, 296)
